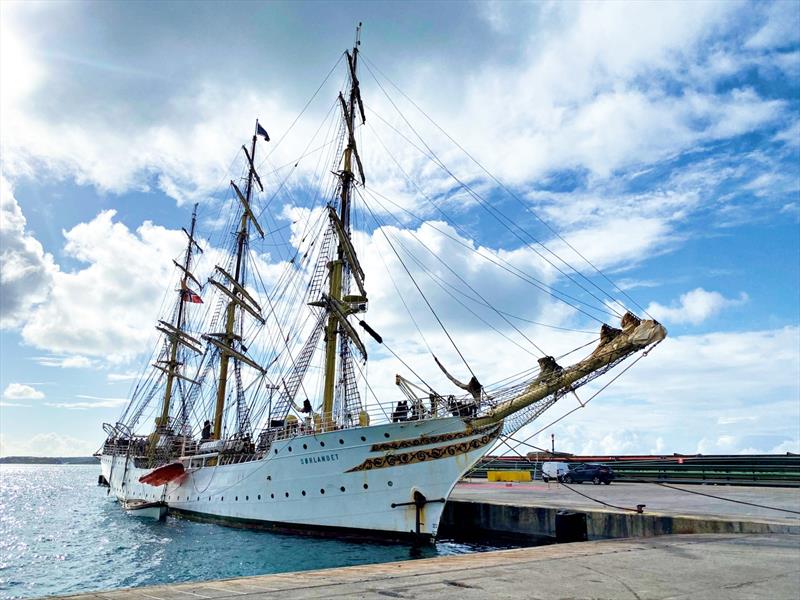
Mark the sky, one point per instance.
(661, 140)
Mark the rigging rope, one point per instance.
(421, 293)
(500, 217)
(467, 284)
(297, 118)
(584, 403)
(554, 293)
(515, 197)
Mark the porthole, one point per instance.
(386, 435)
(247, 497)
(290, 448)
(198, 498)
(305, 447)
(276, 450)
(322, 444)
(236, 499)
(303, 492)
(222, 498)
(341, 489)
(390, 484)
(209, 498)
(287, 494)
(272, 496)
(363, 439)
(269, 477)
(341, 441)
(259, 496)
(321, 491)
(366, 486)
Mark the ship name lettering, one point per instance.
(318, 459)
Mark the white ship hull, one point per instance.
(362, 479)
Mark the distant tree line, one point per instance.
(48, 460)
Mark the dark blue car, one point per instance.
(581, 472)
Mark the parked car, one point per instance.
(581, 472)
(553, 470)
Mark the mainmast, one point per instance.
(233, 287)
(345, 262)
(174, 331)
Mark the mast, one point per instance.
(336, 316)
(238, 296)
(174, 331)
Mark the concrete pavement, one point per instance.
(658, 499)
(700, 567)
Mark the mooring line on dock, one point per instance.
(639, 509)
(672, 487)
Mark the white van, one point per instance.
(554, 470)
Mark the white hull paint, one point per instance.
(348, 479)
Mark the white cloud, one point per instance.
(128, 376)
(583, 98)
(778, 26)
(26, 271)
(729, 420)
(20, 391)
(90, 402)
(65, 362)
(694, 307)
(574, 96)
(790, 135)
(719, 392)
(127, 273)
(787, 446)
(46, 444)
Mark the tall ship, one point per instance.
(255, 408)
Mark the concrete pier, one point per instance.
(529, 509)
(718, 550)
(712, 567)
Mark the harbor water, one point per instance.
(61, 534)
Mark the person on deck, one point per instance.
(401, 412)
(206, 434)
(308, 410)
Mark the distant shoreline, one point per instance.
(48, 460)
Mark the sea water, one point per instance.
(61, 534)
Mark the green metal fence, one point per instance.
(774, 470)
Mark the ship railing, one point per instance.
(420, 408)
(132, 446)
(211, 459)
(377, 413)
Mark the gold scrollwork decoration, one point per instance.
(428, 439)
(405, 458)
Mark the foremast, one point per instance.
(232, 285)
(174, 331)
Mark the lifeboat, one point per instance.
(164, 474)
